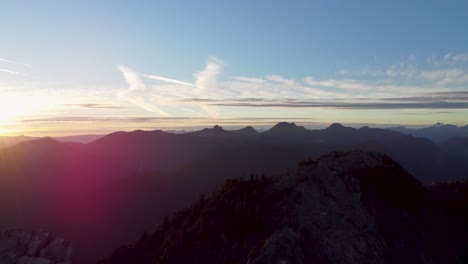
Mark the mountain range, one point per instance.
(128, 181)
(6, 141)
(437, 133)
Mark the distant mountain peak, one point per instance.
(218, 128)
(285, 129)
(215, 131)
(442, 125)
(336, 126)
(40, 142)
(248, 130)
(286, 125)
(44, 140)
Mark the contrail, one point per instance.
(168, 80)
(134, 92)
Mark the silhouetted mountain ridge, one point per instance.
(438, 132)
(218, 131)
(8, 141)
(348, 207)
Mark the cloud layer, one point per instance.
(399, 86)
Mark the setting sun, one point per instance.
(14, 107)
(11, 107)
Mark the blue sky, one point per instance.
(96, 66)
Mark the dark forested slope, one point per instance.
(348, 207)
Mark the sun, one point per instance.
(11, 107)
(15, 106)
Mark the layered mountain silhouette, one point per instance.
(6, 141)
(10, 141)
(438, 132)
(345, 207)
(128, 181)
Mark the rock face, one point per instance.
(346, 207)
(39, 247)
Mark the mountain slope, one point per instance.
(10, 141)
(13, 140)
(352, 207)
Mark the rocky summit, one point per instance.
(345, 207)
(38, 247)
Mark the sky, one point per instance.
(87, 67)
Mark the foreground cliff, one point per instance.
(38, 247)
(354, 207)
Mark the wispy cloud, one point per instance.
(206, 83)
(347, 84)
(167, 80)
(281, 80)
(431, 112)
(351, 105)
(97, 106)
(445, 76)
(249, 79)
(14, 62)
(168, 91)
(117, 119)
(135, 93)
(11, 72)
(456, 57)
(401, 86)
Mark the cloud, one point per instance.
(407, 68)
(350, 105)
(168, 92)
(456, 58)
(14, 62)
(281, 80)
(347, 84)
(135, 93)
(456, 96)
(409, 88)
(114, 119)
(97, 106)
(249, 79)
(101, 119)
(11, 72)
(445, 77)
(432, 112)
(167, 80)
(429, 100)
(206, 81)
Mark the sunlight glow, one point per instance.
(14, 106)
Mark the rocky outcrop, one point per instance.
(38, 247)
(346, 207)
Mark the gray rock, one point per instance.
(21, 247)
(38, 241)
